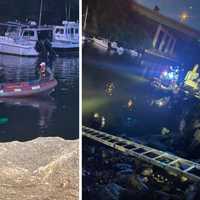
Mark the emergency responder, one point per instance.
(42, 70)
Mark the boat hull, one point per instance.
(38, 89)
(64, 46)
(18, 50)
(9, 46)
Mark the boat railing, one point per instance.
(6, 39)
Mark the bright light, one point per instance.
(96, 115)
(184, 16)
(171, 75)
(165, 73)
(130, 103)
(160, 103)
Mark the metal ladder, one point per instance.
(169, 162)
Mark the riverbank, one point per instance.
(41, 169)
(111, 175)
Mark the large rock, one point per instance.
(42, 169)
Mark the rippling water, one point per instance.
(54, 115)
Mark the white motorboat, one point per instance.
(12, 43)
(66, 36)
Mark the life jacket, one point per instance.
(43, 69)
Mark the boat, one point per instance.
(23, 40)
(101, 43)
(66, 37)
(20, 39)
(38, 87)
(13, 47)
(12, 43)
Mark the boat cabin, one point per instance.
(69, 31)
(35, 34)
(28, 32)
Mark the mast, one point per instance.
(67, 10)
(85, 20)
(69, 13)
(41, 9)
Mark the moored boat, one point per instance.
(17, 47)
(101, 43)
(66, 37)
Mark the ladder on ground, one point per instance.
(169, 162)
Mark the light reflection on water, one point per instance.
(131, 107)
(55, 115)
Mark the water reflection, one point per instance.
(54, 115)
(113, 90)
(16, 68)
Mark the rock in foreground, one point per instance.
(42, 169)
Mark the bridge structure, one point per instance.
(171, 163)
(171, 39)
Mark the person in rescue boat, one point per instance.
(45, 72)
(42, 70)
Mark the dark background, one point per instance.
(54, 11)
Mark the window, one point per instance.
(57, 30)
(160, 37)
(76, 31)
(165, 44)
(28, 33)
(60, 31)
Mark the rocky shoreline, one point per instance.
(111, 175)
(41, 169)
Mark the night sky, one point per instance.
(174, 8)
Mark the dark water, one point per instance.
(54, 115)
(130, 107)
